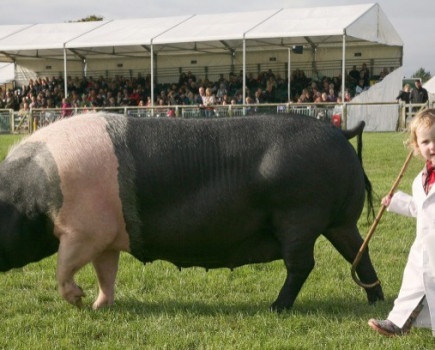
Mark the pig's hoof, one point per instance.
(101, 303)
(278, 307)
(73, 295)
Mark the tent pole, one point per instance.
(65, 75)
(152, 75)
(244, 71)
(343, 70)
(288, 78)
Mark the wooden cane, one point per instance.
(373, 227)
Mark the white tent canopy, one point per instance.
(336, 26)
(282, 27)
(430, 85)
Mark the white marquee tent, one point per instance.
(430, 87)
(232, 33)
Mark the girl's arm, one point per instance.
(401, 203)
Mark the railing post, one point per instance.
(12, 121)
(30, 121)
(344, 116)
(402, 117)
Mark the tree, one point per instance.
(422, 74)
(91, 18)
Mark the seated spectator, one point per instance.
(331, 96)
(182, 98)
(360, 87)
(269, 94)
(90, 92)
(66, 108)
(134, 97)
(324, 97)
(221, 92)
(225, 100)
(249, 110)
(24, 110)
(305, 96)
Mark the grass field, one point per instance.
(159, 307)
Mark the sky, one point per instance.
(413, 20)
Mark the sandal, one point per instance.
(386, 327)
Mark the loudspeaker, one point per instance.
(298, 49)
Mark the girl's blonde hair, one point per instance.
(425, 119)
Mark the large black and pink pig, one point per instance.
(195, 192)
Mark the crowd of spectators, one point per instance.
(266, 87)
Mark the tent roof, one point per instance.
(430, 85)
(219, 32)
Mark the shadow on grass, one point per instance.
(338, 308)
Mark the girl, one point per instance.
(415, 304)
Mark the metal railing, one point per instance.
(29, 121)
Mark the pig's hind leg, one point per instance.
(347, 240)
(106, 267)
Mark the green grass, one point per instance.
(159, 307)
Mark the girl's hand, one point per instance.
(386, 200)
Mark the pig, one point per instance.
(195, 192)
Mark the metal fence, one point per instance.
(27, 122)
(5, 121)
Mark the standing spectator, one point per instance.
(405, 94)
(354, 75)
(419, 93)
(10, 101)
(190, 76)
(259, 96)
(364, 74)
(199, 100)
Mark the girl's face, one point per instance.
(426, 142)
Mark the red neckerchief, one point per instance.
(430, 177)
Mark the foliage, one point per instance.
(159, 307)
(91, 18)
(422, 74)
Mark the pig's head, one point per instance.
(29, 190)
(23, 239)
